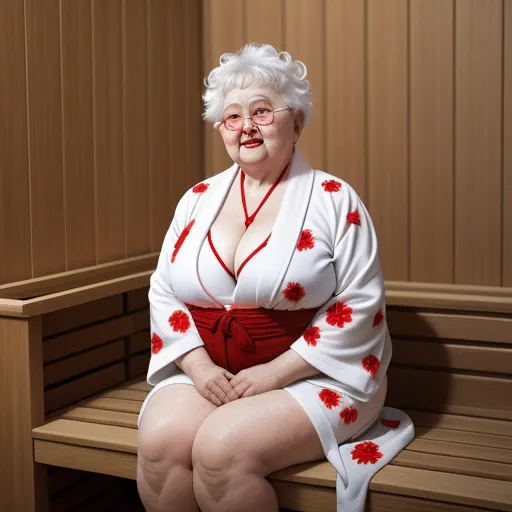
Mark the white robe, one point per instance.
(322, 253)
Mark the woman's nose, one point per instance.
(248, 126)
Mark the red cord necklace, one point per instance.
(250, 218)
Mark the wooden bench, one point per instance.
(451, 373)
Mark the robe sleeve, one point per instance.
(173, 332)
(348, 339)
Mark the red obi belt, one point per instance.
(240, 338)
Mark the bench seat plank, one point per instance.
(432, 485)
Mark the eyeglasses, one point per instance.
(262, 116)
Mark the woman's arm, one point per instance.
(290, 367)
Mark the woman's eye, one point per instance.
(261, 111)
(232, 116)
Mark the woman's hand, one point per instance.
(213, 382)
(255, 380)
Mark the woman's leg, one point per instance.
(242, 442)
(165, 437)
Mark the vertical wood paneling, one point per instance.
(192, 90)
(431, 139)
(15, 262)
(77, 102)
(159, 122)
(507, 147)
(388, 133)
(135, 134)
(45, 135)
(224, 24)
(308, 17)
(108, 130)
(345, 79)
(264, 22)
(478, 78)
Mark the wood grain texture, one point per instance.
(388, 197)
(78, 129)
(45, 136)
(478, 138)
(223, 22)
(345, 92)
(431, 141)
(507, 145)
(15, 226)
(135, 127)
(264, 22)
(108, 130)
(302, 17)
(23, 483)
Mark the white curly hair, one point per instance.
(262, 65)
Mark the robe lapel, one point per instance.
(286, 231)
(207, 210)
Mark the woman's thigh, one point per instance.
(170, 421)
(262, 434)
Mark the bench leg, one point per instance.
(23, 484)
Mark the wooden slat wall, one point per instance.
(102, 129)
(412, 107)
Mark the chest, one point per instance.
(234, 241)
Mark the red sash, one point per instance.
(240, 338)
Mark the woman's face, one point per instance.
(272, 145)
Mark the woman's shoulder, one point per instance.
(338, 189)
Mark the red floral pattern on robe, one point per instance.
(349, 415)
(200, 188)
(371, 364)
(331, 185)
(156, 343)
(378, 318)
(181, 239)
(330, 398)
(294, 292)
(339, 314)
(306, 240)
(366, 452)
(179, 321)
(312, 335)
(353, 218)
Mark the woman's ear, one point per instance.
(298, 125)
(217, 125)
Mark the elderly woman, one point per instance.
(269, 339)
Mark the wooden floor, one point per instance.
(455, 463)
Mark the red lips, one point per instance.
(251, 141)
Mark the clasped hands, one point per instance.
(220, 386)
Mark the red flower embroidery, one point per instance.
(329, 398)
(156, 343)
(366, 452)
(371, 364)
(338, 314)
(331, 185)
(200, 188)
(181, 239)
(390, 423)
(378, 318)
(306, 240)
(312, 335)
(294, 292)
(353, 218)
(179, 321)
(349, 415)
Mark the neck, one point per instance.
(260, 175)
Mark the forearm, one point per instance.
(290, 367)
(192, 360)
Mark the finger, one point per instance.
(241, 388)
(228, 375)
(214, 400)
(227, 387)
(250, 391)
(218, 392)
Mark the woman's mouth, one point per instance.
(252, 143)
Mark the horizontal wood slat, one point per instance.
(77, 278)
(91, 384)
(137, 299)
(84, 362)
(453, 356)
(138, 365)
(139, 341)
(449, 326)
